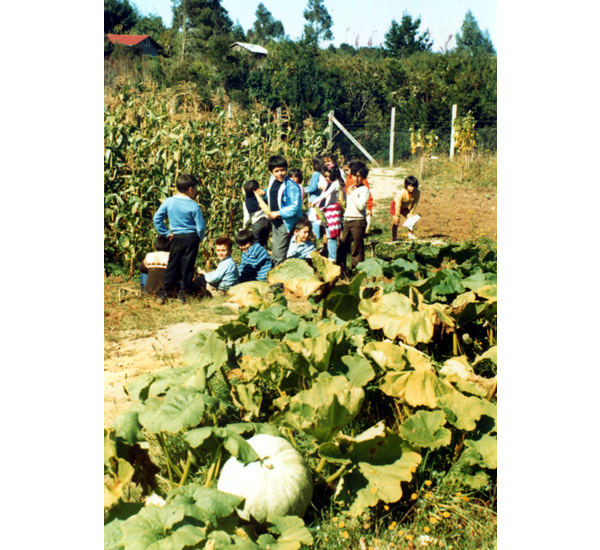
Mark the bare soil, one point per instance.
(447, 214)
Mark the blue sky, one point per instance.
(364, 19)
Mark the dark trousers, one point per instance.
(281, 242)
(261, 230)
(182, 265)
(354, 230)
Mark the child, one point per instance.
(313, 190)
(301, 246)
(186, 231)
(283, 198)
(226, 275)
(405, 204)
(296, 175)
(355, 217)
(328, 202)
(256, 262)
(153, 268)
(330, 160)
(350, 181)
(261, 224)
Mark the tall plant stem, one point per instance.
(212, 471)
(336, 475)
(169, 461)
(186, 470)
(227, 382)
(324, 309)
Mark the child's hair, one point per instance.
(334, 174)
(250, 186)
(359, 168)
(411, 180)
(330, 156)
(224, 241)
(185, 181)
(302, 223)
(162, 243)
(295, 172)
(244, 237)
(277, 161)
(350, 163)
(317, 163)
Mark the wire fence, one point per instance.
(376, 141)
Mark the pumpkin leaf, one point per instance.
(277, 319)
(181, 408)
(215, 504)
(356, 369)
(247, 397)
(325, 269)
(425, 429)
(210, 438)
(292, 533)
(323, 410)
(127, 426)
(487, 448)
(113, 535)
(210, 352)
(155, 528)
(113, 489)
(249, 294)
(343, 300)
(397, 357)
(296, 276)
(464, 412)
(419, 387)
(491, 354)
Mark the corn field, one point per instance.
(151, 137)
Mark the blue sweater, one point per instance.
(300, 250)
(184, 216)
(290, 202)
(255, 264)
(312, 189)
(225, 276)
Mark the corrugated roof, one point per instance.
(249, 47)
(127, 39)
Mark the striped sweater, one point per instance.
(255, 264)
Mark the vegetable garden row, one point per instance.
(386, 383)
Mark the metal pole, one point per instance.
(454, 108)
(229, 111)
(392, 137)
(330, 117)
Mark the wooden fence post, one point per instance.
(229, 111)
(393, 126)
(454, 108)
(330, 129)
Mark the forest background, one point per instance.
(360, 82)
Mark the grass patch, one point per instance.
(126, 310)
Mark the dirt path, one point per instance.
(128, 358)
(447, 214)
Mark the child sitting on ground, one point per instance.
(405, 204)
(226, 275)
(301, 246)
(186, 231)
(355, 217)
(261, 223)
(154, 265)
(256, 263)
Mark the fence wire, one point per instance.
(376, 141)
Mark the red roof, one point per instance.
(127, 39)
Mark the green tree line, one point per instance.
(361, 84)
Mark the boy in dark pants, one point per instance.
(355, 217)
(187, 228)
(285, 203)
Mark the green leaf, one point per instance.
(247, 397)
(491, 354)
(323, 410)
(325, 269)
(397, 357)
(464, 412)
(277, 320)
(343, 300)
(211, 438)
(113, 535)
(202, 351)
(214, 503)
(356, 369)
(181, 408)
(127, 426)
(373, 267)
(489, 292)
(232, 331)
(487, 448)
(296, 276)
(478, 280)
(425, 429)
(292, 533)
(155, 528)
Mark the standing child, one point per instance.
(186, 231)
(313, 190)
(296, 176)
(283, 198)
(355, 217)
(405, 204)
(152, 269)
(261, 224)
(256, 262)
(328, 202)
(301, 246)
(226, 275)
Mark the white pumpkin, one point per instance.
(279, 484)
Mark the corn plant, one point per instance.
(151, 138)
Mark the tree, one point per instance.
(471, 39)
(119, 16)
(401, 40)
(265, 26)
(319, 22)
(150, 24)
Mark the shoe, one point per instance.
(411, 237)
(161, 300)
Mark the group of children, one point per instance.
(341, 198)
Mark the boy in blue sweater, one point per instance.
(186, 231)
(256, 262)
(226, 275)
(285, 203)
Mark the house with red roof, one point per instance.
(145, 42)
